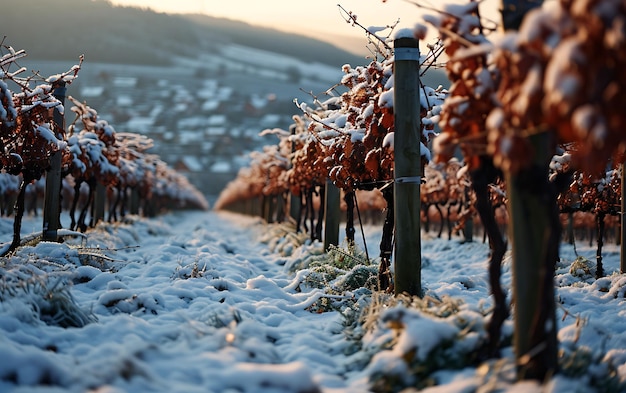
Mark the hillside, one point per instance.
(64, 29)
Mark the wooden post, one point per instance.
(134, 201)
(513, 12)
(295, 200)
(468, 231)
(535, 235)
(295, 209)
(407, 167)
(331, 215)
(280, 206)
(266, 203)
(534, 232)
(257, 206)
(321, 213)
(349, 198)
(99, 199)
(622, 266)
(570, 228)
(52, 197)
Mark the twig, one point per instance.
(350, 18)
(434, 9)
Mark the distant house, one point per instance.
(221, 167)
(208, 90)
(91, 91)
(270, 120)
(215, 131)
(140, 124)
(123, 100)
(189, 164)
(217, 120)
(180, 107)
(127, 82)
(193, 122)
(225, 92)
(186, 137)
(210, 105)
(254, 105)
(207, 146)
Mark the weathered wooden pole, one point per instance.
(295, 209)
(622, 265)
(535, 234)
(407, 166)
(331, 215)
(99, 201)
(52, 197)
(134, 200)
(468, 231)
(295, 200)
(264, 208)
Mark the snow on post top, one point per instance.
(404, 33)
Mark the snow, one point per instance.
(262, 60)
(389, 140)
(403, 33)
(48, 135)
(419, 32)
(386, 99)
(205, 301)
(561, 83)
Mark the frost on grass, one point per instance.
(36, 280)
(411, 339)
(38, 290)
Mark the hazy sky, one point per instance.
(318, 18)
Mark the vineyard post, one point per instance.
(99, 199)
(52, 197)
(272, 206)
(294, 199)
(331, 215)
(622, 266)
(257, 207)
(535, 233)
(535, 236)
(468, 231)
(134, 201)
(407, 166)
(264, 208)
(294, 207)
(269, 208)
(249, 206)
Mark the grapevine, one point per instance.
(29, 136)
(564, 73)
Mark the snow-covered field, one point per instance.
(217, 302)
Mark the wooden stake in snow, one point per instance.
(134, 201)
(534, 233)
(52, 197)
(99, 202)
(331, 215)
(407, 166)
(295, 201)
(622, 267)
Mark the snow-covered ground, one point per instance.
(217, 302)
